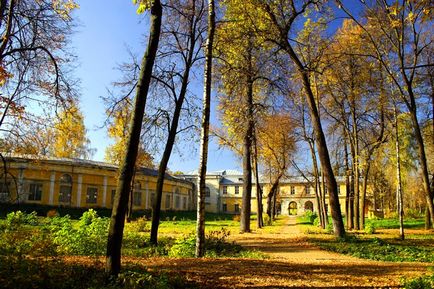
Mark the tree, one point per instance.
(398, 34)
(243, 66)
(275, 147)
(118, 130)
(182, 37)
(34, 59)
(276, 24)
(70, 139)
(120, 203)
(200, 227)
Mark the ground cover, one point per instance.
(28, 260)
(379, 242)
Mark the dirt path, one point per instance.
(293, 263)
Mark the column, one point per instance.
(147, 196)
(79, 186)
(52, 180)
(104, 191)
(20, 191)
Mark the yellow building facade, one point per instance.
(83, 183)
(295, 196)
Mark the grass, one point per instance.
(384, 245)
(394, 223)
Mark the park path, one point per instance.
(293, 263)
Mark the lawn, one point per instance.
(383, 245)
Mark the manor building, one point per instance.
(84, 183)
(295, 194)
(88, 184)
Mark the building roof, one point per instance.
(84, 163)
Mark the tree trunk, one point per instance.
(316, 184)
(323, 153)
(364, 191)
(399, 197)
(355, 138)
(156, 207)
(117, 221)
(259, 220)
(247, 165)
(323, 187)
(204, 140)
(347, 186)
(428, 223)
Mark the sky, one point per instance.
(105, 32)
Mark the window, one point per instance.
(307, 189)
(35, 192)
(237, 208)
(207, 192)
(91, 195)
(225, 190)
(292, 190)
(4, 190)
(177, 202)
(224, 207)
(137, 201)
(237, 190)
(65, 189)
(167, 201)
(184, 203)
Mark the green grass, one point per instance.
(382, 246)
(379, 249)
(394, 223)
(24, 234)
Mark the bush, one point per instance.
(369, 228)
(140, 225)
(184, 247)
(16, 219)
(329, 227)
(89, 238)
(267, 220)
(413, 214)
(423, 282)
(308, 217)
(52, 213)
(236, 218)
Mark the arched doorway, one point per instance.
(292, 208)
(308, 206)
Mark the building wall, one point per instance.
(91, 186)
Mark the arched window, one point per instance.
(308, 206)
(292, 208)
(65, 189)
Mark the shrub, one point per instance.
(413, 214)
(184, 247)
(52, 213)
(370, 228)
(329, 227)
(16, 219)
(140, 225)
(89, 238)
(267, 219)
(236, 218)
(423, 282)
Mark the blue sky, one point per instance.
(106, 29)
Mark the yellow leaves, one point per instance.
(64, 7)
(4, 75)
(70, 134)
(143, 5)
